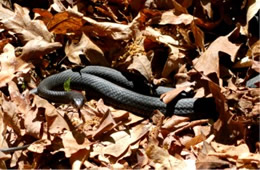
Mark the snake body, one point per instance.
(117, 90)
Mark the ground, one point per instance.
(208, 48)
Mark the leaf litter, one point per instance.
(208, 47)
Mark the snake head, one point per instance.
(77, 99)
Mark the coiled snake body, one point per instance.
(117, 90)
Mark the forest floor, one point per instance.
(208, 48)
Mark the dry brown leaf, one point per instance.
(11, 118)
(107, 123)
(114, 30)
(175, 57)
(55, 122)
(202, 130)
(251, 58)
(101, 107)
(20, 23)
(254, 51)
(32, 123)
(256, 66)
(253, 7)
(3, 143)
(78, 158)
(45, 15)
(86, 48)
(71, 145)
(206, 5)
(11, 66)
(121, 140)
(16, 109)
(189, 125)
(208, 62)
(244, 62)
(39, 146)
(163, 160)
(168, 17)
(226, 129)
(167, 29)
(174, 60)
(198, 36)
(133, 119)
(35, 49)
(142, 159)
(206, 161)
(65, 22)
(90, 165)
(3, 42)
(142, 64)
(239, 154)
(174, 120)
(159, 37)
(194, 141)
(170, 95)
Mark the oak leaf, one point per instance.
(20, 23)
(85, 47)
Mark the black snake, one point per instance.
(120, 91)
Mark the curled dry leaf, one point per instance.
(78, 158)
(30, 116)
(239, 154)
(206, 161)
(17, 113)
(174, 120)
(208, 62)
(39, 146)
(168, 17)
(158, 36)
(198, 36)
(3, 127)
(11, 66)
(173, 62)
(72, 145)
(227, 128)
(251, 58)
(206, 5)
(55, 122)
(253, 7)
(11, 118)
(142, 159)
(170, 95)
(194, 141)
(175, 56)
(114, 30)
(20, 23)
(107, 123)
(142, 64)
(65, 22)
(85, 47)
(118, 142)
(163, 160)
(37, 48)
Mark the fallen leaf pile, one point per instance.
(210, 48)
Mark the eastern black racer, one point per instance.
(124, 91)
(118, 90)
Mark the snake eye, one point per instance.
(77, 99)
